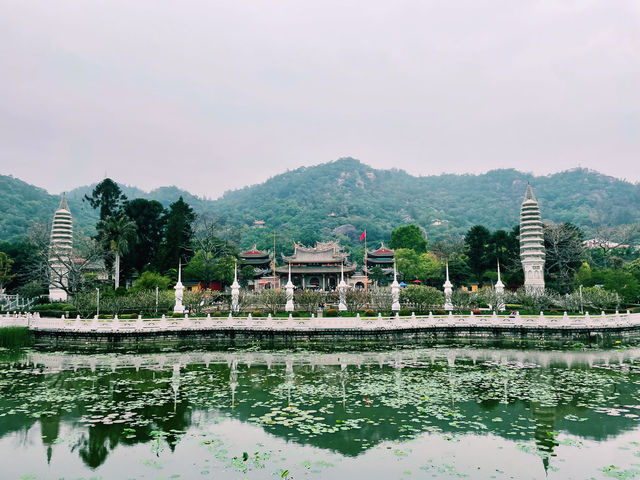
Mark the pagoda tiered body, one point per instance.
(262, 266)
(532, 252)
(383, 257)
(60, 247)
(316, 267)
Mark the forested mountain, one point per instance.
(315, 201)
(343, 197)
(23, 204)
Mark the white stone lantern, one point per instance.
(342, 291)
(289, 307)
(179, 291)
(235, 291)
(500, 291)
(448, 290)
(395, 291)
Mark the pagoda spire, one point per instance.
(63, 203)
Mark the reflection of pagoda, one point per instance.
(544, 435)
(316, 267)
(261, 263)
(383, 258)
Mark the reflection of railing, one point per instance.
(352, 324)
(397, 359)
(15, 303)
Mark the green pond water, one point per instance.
(399, 413)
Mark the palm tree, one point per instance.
(119, 232)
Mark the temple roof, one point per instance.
(254, 252)
(323, 252)
(317, 270)
(382, 251)
(379, 261)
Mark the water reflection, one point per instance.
(345, 403)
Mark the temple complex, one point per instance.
(60, 247)
(262, 263)
(532, 253)
(316, 267)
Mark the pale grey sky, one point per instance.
(214, 95)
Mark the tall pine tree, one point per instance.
(178, 234)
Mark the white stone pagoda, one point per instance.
(60, 248)
(532, 253)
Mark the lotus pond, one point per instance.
(440, 412)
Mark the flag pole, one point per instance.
(366, 273)
(274, 259)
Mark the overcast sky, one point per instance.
(215, 95)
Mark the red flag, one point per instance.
(364, 235)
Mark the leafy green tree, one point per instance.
(623, 283)
(149, 217)
(5, 270)
(477, 242)
(377, 276)
(199, 269)
(26, 263)
(413, 266)
(633, 268)
(177, 235)
(223, 270)
(209, 248)
(583, 276)
(32, 289)
(119, 233)
(108, 197)
(408, 237)
(151, 280)
(247, 273)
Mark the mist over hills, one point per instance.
(341, 198)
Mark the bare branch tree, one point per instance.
(64, 269)
(565, 252)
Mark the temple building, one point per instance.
(60, 247)
(532, 253)
(316, 267)
(262, 264)
(383, 257)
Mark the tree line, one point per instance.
(140, 240)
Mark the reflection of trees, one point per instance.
(386, 398)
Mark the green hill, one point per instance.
(343, 197)
(318, 200)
